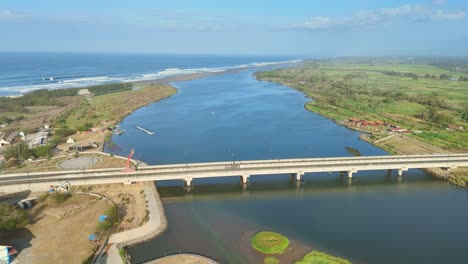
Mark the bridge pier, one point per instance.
(245, 178)
(400, 171)
(350, 173)
(298, 175)
(188, 182)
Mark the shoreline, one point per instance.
(173, 78)
(436, 172)
(180, 78)
(154, 227)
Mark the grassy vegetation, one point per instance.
(269, 242)
(109, 104)
(416, 97)
(50, 97)
(316, 257)
(111, 108)
(122, 254)
(59, 197)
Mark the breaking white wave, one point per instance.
(62, 83)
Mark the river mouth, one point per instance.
(377, 217)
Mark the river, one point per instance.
(376, 218)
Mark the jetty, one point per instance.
(145, 130)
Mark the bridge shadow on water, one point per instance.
(283, 184)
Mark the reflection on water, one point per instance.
(363, 220)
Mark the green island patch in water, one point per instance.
(268, 242)
(317, 257)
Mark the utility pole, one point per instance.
(19, 153)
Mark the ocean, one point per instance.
(24, 72)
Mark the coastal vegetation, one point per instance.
(418, 97)
(111, 108)
(317, 257)
(51, 97)
(67, 112)
(268, 242)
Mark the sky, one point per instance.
(261, 27)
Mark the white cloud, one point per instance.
(444, 15)
(378, 16)
(7, 14)
(190, 20)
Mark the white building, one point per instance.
(84, 92)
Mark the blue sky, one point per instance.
(300, 27)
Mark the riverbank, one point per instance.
(155, 225)
(198, 219)
(364, 98)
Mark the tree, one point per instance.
(64, 132)
(439, 117)
(465, 114)
(19, 151)
(42, 151)
(12, 218)
(444, 76)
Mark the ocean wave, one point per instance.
(62, 82)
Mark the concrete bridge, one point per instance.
(41, 181)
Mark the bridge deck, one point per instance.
(235, 168)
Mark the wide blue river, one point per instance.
(376, 218)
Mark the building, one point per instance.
(37, 139)
(454, 127)
(6, 139)
(84, 92)
(5, 253)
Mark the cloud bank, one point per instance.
(375, 17)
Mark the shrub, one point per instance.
(42, 151)
(113, 219)
(122, 254)
(12, 218)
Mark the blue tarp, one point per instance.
(92, 237)
(102, 218)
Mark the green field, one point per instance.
(416, 97)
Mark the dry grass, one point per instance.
(60, 231)
(130, 202)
